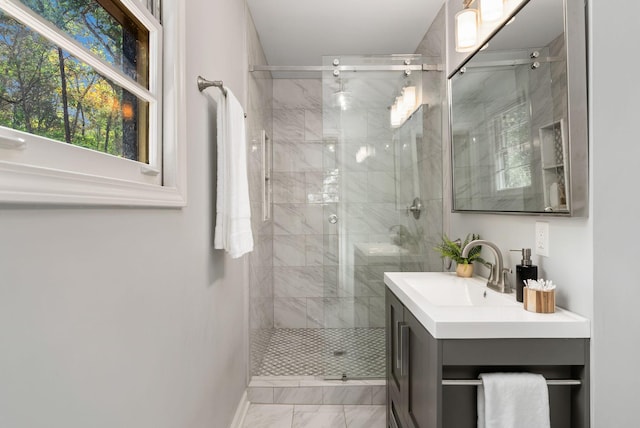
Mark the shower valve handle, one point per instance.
(415, 208)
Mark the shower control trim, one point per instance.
(415, 208)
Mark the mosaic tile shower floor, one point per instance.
(357, 352)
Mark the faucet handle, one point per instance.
(507, 285)
(492, 269)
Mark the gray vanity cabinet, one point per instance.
(417, 363)
(412, 367)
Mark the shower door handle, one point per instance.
(333, 219)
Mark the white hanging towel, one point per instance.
(233, 211)
(513, 400)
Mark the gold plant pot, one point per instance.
(464, 271)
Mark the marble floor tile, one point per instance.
(268, 416)
(319, 417)
(314, 416)
(365, 416)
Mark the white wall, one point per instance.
(127, 317)
(570, 260)
(615, 94)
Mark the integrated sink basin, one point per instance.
(450, 307)
(451, 290)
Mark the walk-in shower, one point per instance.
(344, 178)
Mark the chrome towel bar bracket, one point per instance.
(204, 84)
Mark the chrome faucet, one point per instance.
(496, 280)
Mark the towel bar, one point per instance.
(478, 382)
(204, 84)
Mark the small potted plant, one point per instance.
(453, 250)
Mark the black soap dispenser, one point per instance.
(524, 271)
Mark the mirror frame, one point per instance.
(577, 114)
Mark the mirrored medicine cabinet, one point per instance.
(518, 116)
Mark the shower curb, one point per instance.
(311, 390)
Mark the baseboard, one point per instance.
(241, 411)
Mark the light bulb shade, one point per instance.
(466, 30)
(409, 98)
(403, 109)
(491, 10)
(342, 100)
(396, 119)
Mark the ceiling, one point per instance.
(300, 32)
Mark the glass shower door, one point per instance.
(370, 169)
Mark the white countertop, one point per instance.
(450, 307)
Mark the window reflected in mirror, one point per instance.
(508, 115)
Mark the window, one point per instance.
(512, 148)
(81, 103)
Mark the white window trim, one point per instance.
(500, 174)
(88, 180)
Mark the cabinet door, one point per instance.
(424, 377)
(393, 414)
(394, 322)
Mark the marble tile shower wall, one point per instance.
(298, 211)
(430, 154)
(259, 119)
(307, 292)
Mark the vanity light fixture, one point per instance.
(466, 28)
(491, 10)
(409, 99)
(468, 21)
(342, 98)
(396, 119)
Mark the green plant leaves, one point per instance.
(452, 250)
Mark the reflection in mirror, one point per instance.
(509, 114)
(407, 139)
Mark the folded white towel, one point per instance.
(233, 210)
(513, 400)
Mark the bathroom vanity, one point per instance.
(443, 331)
